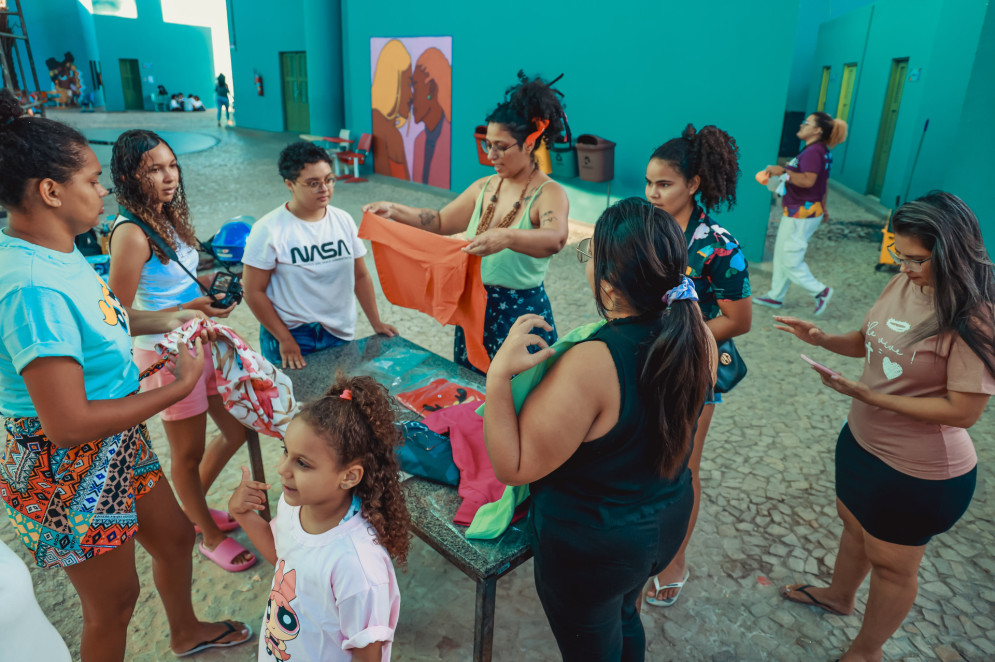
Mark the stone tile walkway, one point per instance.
(768, 515)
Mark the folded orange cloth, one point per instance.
(432, 274)
(762, 177)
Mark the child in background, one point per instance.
(340, 519)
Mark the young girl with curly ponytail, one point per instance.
(516, 218)
(804, 206)
(689, 177)
(340, 520)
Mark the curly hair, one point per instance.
(527, 101)
(712, 155)
(34, 148)
(298, 155)
(362, 429)
(135, 191)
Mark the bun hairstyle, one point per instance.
(962, 278)
(361, 428)
(34, 148)
(833, 131)
(527, 101)
(640, 251)
(135, 191)
(712, 155)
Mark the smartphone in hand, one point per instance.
(821, 368)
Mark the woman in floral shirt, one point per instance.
(687, 177)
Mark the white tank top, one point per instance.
(164, 285)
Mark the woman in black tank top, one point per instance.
(606, 459)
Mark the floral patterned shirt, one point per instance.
(716, 264)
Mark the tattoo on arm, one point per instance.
(547, 217)
(427, 217)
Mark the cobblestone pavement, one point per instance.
(768, 514)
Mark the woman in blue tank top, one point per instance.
(516, 218)
(606, 459)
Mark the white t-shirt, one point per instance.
(313, 265)
(332, 592)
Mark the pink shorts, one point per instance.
(193, 404)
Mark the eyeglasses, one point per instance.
(316, 185)
(584, 250)
(911, 265)
(807, 123)
(499, 149)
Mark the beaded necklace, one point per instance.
(485, 222)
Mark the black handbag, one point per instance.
(731, 369)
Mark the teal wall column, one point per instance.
(323, 35)
(57, 26)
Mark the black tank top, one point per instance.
(612, 480)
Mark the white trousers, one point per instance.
(25, 632)
(789, 257)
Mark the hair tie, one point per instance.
(346, 394)
(683, 291)
(532, 137)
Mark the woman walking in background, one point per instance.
(221, 94)
(804, 206)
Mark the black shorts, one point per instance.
(893, 506)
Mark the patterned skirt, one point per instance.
(504, 306)
(71, 504)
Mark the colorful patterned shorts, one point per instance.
(71, 504)
(504, 306)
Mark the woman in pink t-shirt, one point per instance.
(905, 465)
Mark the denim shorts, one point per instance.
(310, 338)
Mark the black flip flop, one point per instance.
(815, 602)
(216, 642)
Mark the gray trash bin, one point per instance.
(595, 158)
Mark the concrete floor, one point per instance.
(768, 514)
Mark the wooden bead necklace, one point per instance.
(485, 222)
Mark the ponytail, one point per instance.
(833, 130)
(710, 154)
(356, 417)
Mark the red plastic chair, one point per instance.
(356, 158)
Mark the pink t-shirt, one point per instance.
(927, 369)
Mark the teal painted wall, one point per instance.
(969, 158)
(262, 32)
(57, 26)
(323, 35)
(938, 38)
(179, 57)
(628, 78)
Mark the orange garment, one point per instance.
(432, 274)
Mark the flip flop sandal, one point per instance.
(217, 643)
(226, 553)
(815, 602)
(224, 521)
(666, 602)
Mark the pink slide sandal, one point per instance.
(224, 521)
(226, 553)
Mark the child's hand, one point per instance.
(248, 496)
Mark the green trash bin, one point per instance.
(595, 158)
(564, 159)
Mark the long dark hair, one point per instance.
(362, 428)
(527, 101)
(34, 148)
(710, 154)
(135, 192)
(640, 251)
(962, 278)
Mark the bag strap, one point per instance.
(155, 238)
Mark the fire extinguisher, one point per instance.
(259, 85)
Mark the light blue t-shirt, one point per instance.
(55, 304)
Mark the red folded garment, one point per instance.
(439, 394)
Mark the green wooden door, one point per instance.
(293, 70)
(846, 92)
(823, 89)
(886, 132)
(131, 85)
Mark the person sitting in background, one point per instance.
(161, 91)
(188, 103)
(175, 104)
(197, 104)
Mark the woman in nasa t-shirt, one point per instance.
(905, 465)
(303, 262)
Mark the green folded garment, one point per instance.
(492, 519)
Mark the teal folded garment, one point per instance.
(492, 519)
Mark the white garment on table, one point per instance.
(332, 592)
(789, 257)
(313, 265)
